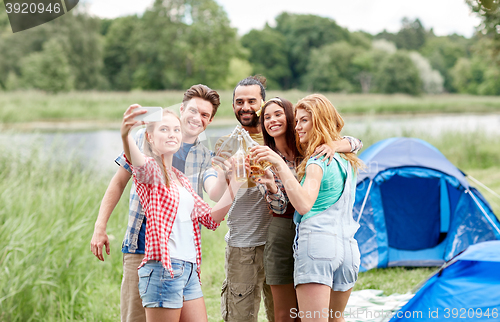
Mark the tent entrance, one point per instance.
(412, 210)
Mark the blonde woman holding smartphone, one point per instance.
(169, 275)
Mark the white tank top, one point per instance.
(181, 241)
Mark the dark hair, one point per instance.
(204, 92)
(287, 107)
(253, 80)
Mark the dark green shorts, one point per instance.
(278, 252)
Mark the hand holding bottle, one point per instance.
(265, 154)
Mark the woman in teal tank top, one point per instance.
(325, 251)
(278, 121)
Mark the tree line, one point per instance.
(177, 43)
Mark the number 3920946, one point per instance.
(33, 8)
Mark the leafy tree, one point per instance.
(120, 52)
(268, 56)
(303, 33)
(83, 47)
(478, 74)
(432, 81)
(238, 69)
(210, 44)
(322, 74)
(386, 36)
(443, 53)
(184, 42)
(331, 68)
(411, 36)
(361, 39)
(468, 74)
(489, 12)
(398, 74)
(491, 83)
(4, 21)
(77, 33)
(365, 66)
(13, 48)
(13, 82)
(384, 45)
(104, 26)
(49, 69)
(159, 55)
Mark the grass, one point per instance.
(46, 218)
(34, 106)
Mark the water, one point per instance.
(98, 149)
(433, 125)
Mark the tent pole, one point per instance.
(484, 186)
(364, 201)
(484, 212)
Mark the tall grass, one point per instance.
(46, 221)
(30, 106)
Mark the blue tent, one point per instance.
(466, 288)
(415, 207)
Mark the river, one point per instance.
(98, 148)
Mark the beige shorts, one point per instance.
(245, 281)
(131, 308)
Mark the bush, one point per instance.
(398, 74)
(48, 70)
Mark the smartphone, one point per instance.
(153, 114)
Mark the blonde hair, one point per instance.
(326, 126)
(148, 147)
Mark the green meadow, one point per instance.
(48, 207)
(34, 106)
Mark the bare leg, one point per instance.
(314, 300)
(284, 300)
(338, 302)
(267, 294)
(194, 311)
(159, 314)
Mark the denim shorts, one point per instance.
(158, 289)
(326, 258)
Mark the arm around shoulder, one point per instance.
(303, 196)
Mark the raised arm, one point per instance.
(302, 197)
(222, 207)
(130, 148)
(215, 183)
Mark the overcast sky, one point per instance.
(373, 16)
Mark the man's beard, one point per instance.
(253, 122)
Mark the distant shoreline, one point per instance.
(98, 125)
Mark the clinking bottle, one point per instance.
(239, 161)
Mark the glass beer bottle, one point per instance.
(239, 161)
(258, 169)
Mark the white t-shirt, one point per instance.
(181, 241)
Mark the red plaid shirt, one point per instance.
(160, 204)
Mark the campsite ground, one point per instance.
(49, 206)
